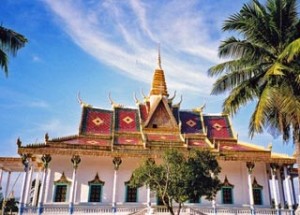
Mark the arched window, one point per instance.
(131, 194)
(95, 189)
(227, 192)
(61, 189)
(257, 192)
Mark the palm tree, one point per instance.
(10, 43)
(263, 67)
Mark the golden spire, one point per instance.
(159, 86)
(158, 58)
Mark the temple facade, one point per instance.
(90, 171)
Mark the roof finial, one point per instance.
(159, 59)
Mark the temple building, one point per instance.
(89, 172)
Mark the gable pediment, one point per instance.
(161, 116)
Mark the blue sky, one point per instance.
(101, 47)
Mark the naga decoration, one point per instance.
(117, 162)
(75, 160)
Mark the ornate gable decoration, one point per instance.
(161, 116)
(256, 185)
(127, 183)
(226, 183)
(63, 180)
(96, 180)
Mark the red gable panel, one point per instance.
(237, 147)
(163, 137)
(191, 122)
(96, 121)
(123, 140)
(89, 141)
(218, 127)
(198, 142)
(144, 112)
(126, 119)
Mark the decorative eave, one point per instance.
(12, 164)
(154, 150)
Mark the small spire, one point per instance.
(159, 58)
(159, 86)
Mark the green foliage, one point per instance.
(10, 205)
(10, 43)
(180, 178)
(263, 66)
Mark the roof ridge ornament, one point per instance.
(114, 105)
(170, 100)
(146, 98)
(136, 99)
(199, 109)
(82, 103)
(179, 103)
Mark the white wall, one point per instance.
(86, 172)
(236, 172)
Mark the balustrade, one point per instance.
(158, 210)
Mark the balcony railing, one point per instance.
(157, 210)
(235, 211)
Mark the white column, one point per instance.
(46, 190)
(36, 189)
(1, 175)
(213, 204)
(7, 185)
(6, 192)
(114, 188)
(46, 160)
(23, 189)
(75, 161)
(280, 189)
(293, 190)
(43, 186)
(250, 166)
(117, 162)
(28, 186)
(274, 189)
(72, 191)
(287, 187)
(25, 161)
(148, 197)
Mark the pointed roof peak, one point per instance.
(159, 58)
(159, 86)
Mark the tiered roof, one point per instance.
(152, 126)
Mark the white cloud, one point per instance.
(14, 99)
(36, 58)
(124, 35)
